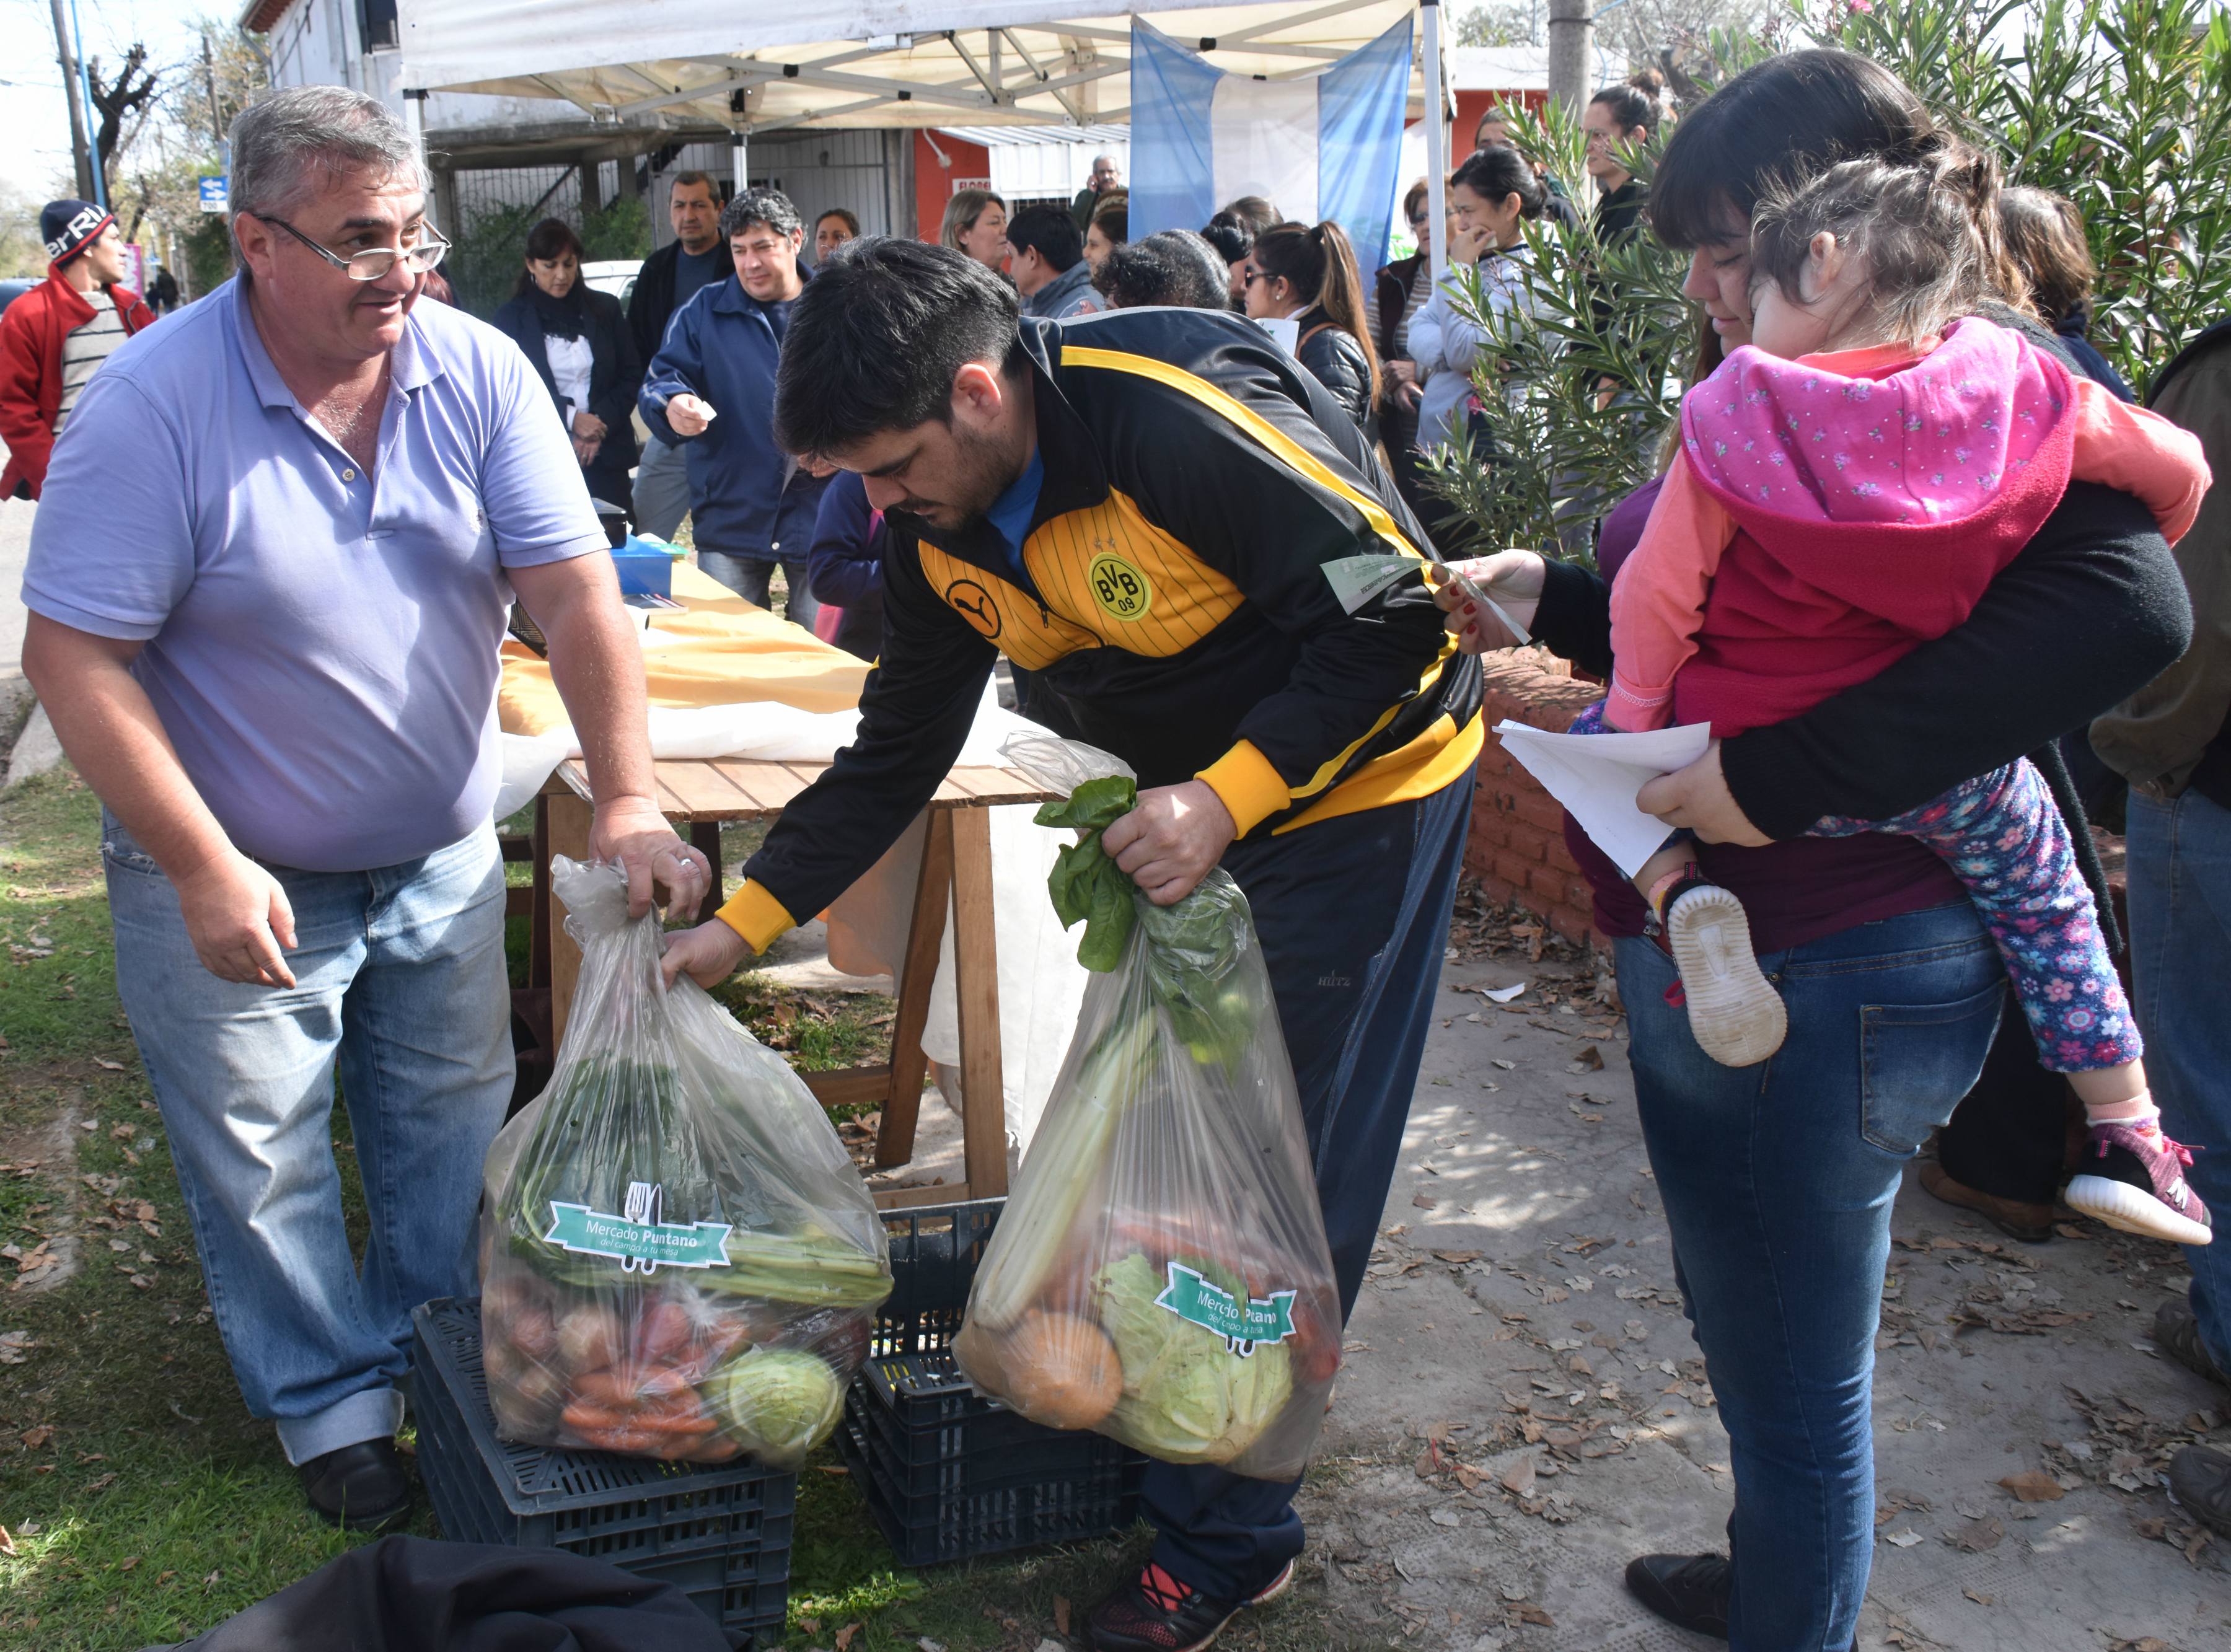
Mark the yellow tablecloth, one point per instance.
(732, 651)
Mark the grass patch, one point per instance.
(145, 1503)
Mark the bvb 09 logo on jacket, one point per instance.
(1121, 589)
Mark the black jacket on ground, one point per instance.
(408, 1594)
(1172, 603)
(650, 307)
(615, 373)
(1330, 351)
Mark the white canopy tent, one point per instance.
(765, 68)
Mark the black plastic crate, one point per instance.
(719, 1533)
(926, 1411)
(961, 1524)
(934, 1252)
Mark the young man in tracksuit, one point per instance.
(1138, 508)
(56, 336)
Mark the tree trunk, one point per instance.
(1571, 31)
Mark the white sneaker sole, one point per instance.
(1738, 1017)
(2120, 1205)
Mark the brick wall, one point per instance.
(1518, 848)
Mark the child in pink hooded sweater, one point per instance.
(1888, 461)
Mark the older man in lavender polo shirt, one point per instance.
(268, 583)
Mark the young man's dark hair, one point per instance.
(770, 207)
(1173, 267)
(874, 339)
(1049, 231)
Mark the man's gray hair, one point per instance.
(770, 207)
(287, 147)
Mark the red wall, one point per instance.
(934, 181)
(1470, 106)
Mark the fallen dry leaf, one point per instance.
(2035, 1487)
(128, 1563)
(1527, 1612)
(108, 1067)
(34, 1438)
(846, 1635)
(1981, 1600)
(1518, 1479)
(7, 1543)
(1061, 1614)
(1978, 1536)
(1423, 1201)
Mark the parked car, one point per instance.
(15, 286)
(613, 275)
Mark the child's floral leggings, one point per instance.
(2005, 840)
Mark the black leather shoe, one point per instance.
(2176, 1333)
(1690, 1590)
(360, 1487)
(2200, 1476)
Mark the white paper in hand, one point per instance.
(1596, 775)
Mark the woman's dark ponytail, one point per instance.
(1321, 261)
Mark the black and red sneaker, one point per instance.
(1154, 1612)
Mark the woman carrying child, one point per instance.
(1778, 1178)
(1890, 452)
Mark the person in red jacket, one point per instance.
(53, 337)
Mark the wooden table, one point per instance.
(956, 858)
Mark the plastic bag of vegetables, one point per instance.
(1161, 1273)
(677, 1259)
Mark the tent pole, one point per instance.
(739, 106)
(1437, 141)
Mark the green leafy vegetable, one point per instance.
(1086, 885)
(779, 1401)
(1188, 1394)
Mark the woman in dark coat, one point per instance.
(579, 341)
(1310, 275)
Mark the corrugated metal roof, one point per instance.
(1079, 137)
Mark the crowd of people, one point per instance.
(1924, 645)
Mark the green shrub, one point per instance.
(2123, 106)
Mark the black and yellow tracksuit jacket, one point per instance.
(1172, 604)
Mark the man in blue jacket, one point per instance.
(710, 392)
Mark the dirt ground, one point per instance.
(1523, 1408)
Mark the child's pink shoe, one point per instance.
(2134, 1179)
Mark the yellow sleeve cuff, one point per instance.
(1249, 788)
(756, 915)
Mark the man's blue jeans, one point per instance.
(751, 578)
(1778, 1181)
(400, 988)
(2180, 872)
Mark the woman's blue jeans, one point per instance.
(1778, 1181)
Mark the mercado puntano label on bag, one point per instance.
(1242, 1324)
(639, 1241)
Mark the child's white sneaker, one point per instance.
(1736, 1016)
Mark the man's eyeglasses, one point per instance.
(374, 262)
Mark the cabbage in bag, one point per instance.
(678, 1259)
(1161, 1274)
